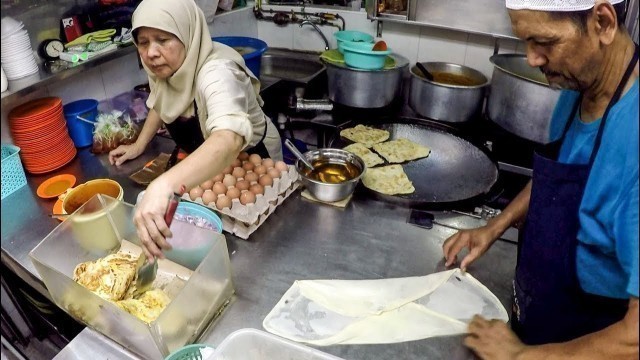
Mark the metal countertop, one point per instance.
(300, 240)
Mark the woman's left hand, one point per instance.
(149, 219)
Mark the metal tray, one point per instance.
(458, 171)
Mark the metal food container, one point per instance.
(520, 100)
(326, 191)
(446, 102)
(197, 297)
(367, 89)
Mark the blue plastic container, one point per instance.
(252, 59)
(361, 56)
(348, 36)
(190, 255)
(79, 115)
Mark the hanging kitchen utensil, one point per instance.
(427, 75)
(297, 153)
(457, 173)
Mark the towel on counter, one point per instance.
(329, 312)
(335, 57)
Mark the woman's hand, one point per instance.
(149, 219)
(477, 240)
(123, 153)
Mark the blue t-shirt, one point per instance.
(607, 254)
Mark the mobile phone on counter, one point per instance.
(420, 218)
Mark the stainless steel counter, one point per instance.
(301, 240)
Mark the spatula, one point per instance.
(147, 272)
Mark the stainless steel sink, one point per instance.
(290, 65)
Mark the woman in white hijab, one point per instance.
(206, 97)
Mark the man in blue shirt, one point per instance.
(576, 283)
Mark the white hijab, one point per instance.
(174, 96)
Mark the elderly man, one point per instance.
(576, 283)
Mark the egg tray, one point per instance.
(242, 220)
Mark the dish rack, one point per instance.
(243, 220)
(13, 177)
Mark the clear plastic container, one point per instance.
(197, 297)
(252, 344)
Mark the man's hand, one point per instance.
(493, 339)
(477, 240)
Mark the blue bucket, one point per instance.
(252, 59)
(79, 115)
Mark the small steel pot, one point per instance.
(368, 89)
(325, 191)
(445, 102)
(520, 100)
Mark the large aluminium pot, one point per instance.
(368, 89)
(520, 99)
(447, 102)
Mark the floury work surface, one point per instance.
(300, 240)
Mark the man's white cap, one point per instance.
(553, 5)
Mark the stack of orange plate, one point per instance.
(39, 128)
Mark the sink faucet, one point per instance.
(309, 22)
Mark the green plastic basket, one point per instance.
(189, 352)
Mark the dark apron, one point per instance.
(549, 305)
(188, 136)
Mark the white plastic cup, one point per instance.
(5, 82)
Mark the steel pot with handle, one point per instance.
(520, 99)
(441, 99)
(368, 89)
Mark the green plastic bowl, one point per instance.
(361, 56)
(350, 36)
(189, 352)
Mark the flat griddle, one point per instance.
(457, 172)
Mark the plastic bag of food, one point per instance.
(112, 130)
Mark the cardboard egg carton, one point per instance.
(242, 220)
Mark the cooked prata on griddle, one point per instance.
(109, 277)
(365, 135)
(401, 150)
(389, 180)
(370, 158)
(113, 278)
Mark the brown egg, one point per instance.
(243, 185)
(260, 170)
(219, 188)
(218, 178)
(236, 163)
(229, 180)
(257, 189)
(209, 197)
(255, 159)
(269, 163)
(196, 192)
(238, 172)
(207, 185)
(243, 155)
(280, 165)
(227, 170)
(233, 193)
(274, 173)
(265, 180)
(248, 165)
(247, 197)
(223, 202)
(251, 177)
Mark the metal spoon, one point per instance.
(297, 153)
(425, 72)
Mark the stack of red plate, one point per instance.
(38, 127)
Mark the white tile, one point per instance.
(442, 45)
(479, 50)
(507, 46)
(403, 39)
(239, 23)
(521, 48)
(122, 75)
(86, 85)
(275, 35)
(307, 38)
(358, 21)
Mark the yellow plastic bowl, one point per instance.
(82, 193)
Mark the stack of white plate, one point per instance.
(17, 55)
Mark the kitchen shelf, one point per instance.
(44, 76)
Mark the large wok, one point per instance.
(458, 172)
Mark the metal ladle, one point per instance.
(425, 72)
(297, 153)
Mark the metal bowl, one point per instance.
(326, 191)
